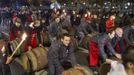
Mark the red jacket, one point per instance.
(14, 33)
(88, 18)
(29, 19)
(33, 39)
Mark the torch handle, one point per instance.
(16, 48)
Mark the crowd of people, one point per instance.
(111, 32)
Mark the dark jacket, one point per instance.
(66, 22)
(54, 29)
(59, 53)
(103, 40)
(86, 28)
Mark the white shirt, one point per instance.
(117, 69)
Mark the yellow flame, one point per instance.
(24, 36)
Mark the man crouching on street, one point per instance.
(61, 55)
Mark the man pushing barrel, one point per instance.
(61, 55)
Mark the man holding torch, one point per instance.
(8, 62)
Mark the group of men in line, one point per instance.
(113, 42)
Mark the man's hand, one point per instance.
(29, 48)
(118, 56)
(9, 60)
(40, 45)
(108, 61)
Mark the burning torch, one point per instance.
(23, 39)
(9, 59)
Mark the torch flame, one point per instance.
(24, 36)
(113, 17)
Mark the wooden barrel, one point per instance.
(41, 55)
(32, 59)
(45, 39)
(73, 71)
(74, 43)
(41, 72)
(37, 58)
(104, 69)
(24, 62)
(85, 42)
